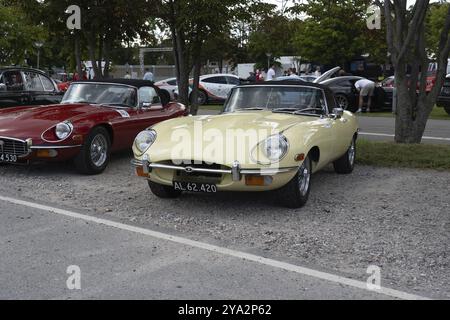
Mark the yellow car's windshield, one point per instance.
(276, 98)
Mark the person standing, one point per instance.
(366, 89)
(317, 73)
(271, 73)
(259, 76)
(148, 75)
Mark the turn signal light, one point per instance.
(258, 181)
(300, 157)
(77, 138)
(47, 153)
(140, 172)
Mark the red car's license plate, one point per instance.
(9, 158)
(195, 187)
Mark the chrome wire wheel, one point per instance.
(99, 150)
(352, 153)
(342, 102)
(304, 178)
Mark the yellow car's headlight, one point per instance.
(145, 140)
(275, 147)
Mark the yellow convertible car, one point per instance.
(270, 137)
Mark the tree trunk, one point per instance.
(183, 63)
(77, 52)
(407, 46)
(106, 57)
(195, 86)
(91, 40)
(99, 61)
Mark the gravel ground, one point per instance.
(397, 219)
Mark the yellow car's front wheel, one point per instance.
(296, 193)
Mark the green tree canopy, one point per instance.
(335, 32)
(17, 34)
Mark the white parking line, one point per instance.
(393, 135)
(220, 250)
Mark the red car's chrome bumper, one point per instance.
(25, 151)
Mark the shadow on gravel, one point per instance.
(66, 168)
(252, 203)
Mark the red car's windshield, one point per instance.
(100, 93)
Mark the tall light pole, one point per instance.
(38, 45)
(269, 55)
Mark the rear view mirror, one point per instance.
(2, 87)
(338, 113)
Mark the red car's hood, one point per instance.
(31, 122)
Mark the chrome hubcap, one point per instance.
(99, 150)
(342, 102)
(304, 179)
(201, 98)
(352, 153)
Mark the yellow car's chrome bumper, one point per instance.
(234, 179)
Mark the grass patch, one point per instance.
(436, 114)
(389, 154)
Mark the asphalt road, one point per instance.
(396, 219)
(383, 129)
(39, 246)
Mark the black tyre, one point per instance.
(95, 152)
(295, 194)
(346, 164)
(202, 98)
(447, 109)
(164, 192)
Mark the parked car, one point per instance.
(347, 95)
(94, 119)
(345, 91)
(63, 81)
(295, 77)
(25, 86)
(63, 86)
(443, 100)
(298, 129)
(215, 87)
(168, 87)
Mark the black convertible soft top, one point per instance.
(331, 101)
(288, 82)
(129, 82)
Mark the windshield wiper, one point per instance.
(285, 110)
(252, 109)
(120, 105)
(74, 102)
(297, 111)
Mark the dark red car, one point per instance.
(94, 119)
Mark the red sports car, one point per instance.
(94, 119)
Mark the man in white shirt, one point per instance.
(271, 74)
(317, 73)
(366, 88)
(148, 75)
